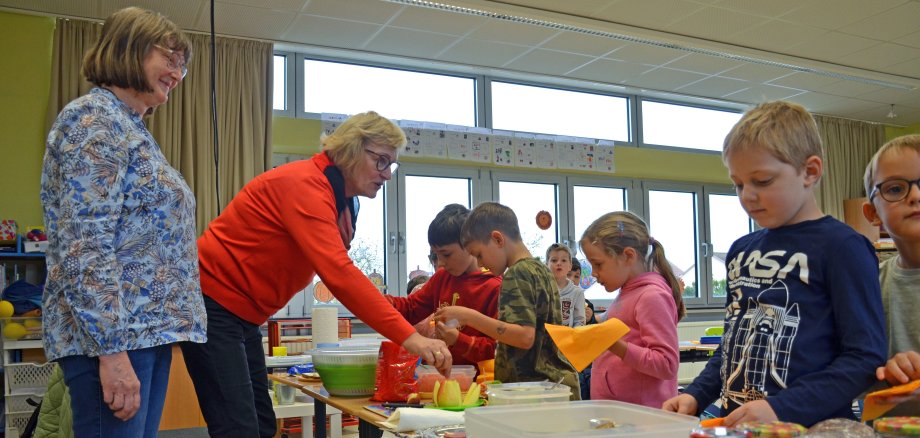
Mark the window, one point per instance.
(333, 87)
(279, 95)
(727, 222)
(590, 203)
(527, 199)
(426, 196)
(672, 220)
(682, 126)
(551, 111)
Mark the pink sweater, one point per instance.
(647, 374)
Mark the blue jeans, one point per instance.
(230, 376)
(93, 418)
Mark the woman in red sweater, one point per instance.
(281, 229)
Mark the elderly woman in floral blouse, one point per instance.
(123, 279)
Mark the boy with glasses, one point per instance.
(895, 204)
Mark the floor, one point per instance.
(347, 432)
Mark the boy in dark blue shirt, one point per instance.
(804, 327)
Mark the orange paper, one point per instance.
(581, 345)
(876, 405)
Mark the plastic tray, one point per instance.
(571, 419)
(527, 393)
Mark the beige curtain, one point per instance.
(848, 147)
(182, 126)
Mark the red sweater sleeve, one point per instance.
(312, 219)
(423, 302)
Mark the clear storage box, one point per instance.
(527, 393)
(573, 420)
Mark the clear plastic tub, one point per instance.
(527, 393)
(427, 375)
(573, 419)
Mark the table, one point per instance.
(690, 352)
(369, 423)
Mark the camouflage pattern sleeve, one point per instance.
(517, 301)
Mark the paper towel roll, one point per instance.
(325, 325)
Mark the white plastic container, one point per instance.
(527, 393)
(573, 419)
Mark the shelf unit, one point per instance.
(21, 380)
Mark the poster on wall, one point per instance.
(413, 132)
(575, 153)
(470, 144)
(434, 140)
(503, 148)
(535, 151)
(331, 121)
(605, 150)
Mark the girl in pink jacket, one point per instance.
(641, 367)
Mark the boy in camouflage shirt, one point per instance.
(528, 300)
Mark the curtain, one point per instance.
(848, 147)
(182, 126)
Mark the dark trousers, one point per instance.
(230, 376)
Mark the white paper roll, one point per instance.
(325, 325)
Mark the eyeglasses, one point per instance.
(174, 60)
(894, 190)
(384, 162)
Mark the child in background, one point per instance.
(458, 280)
(416, 283)
(804, 327)
(528, 300)
(574, 274)
(641, 367)
(893, 203)
(571, 296)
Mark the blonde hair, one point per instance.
(903, 142)
(346, 144)
(616, 231)
(786, 130)
(559, 247)
(128, 36)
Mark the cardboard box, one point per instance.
(29, 246)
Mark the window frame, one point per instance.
(560, 216)
(299, 77)
(396, 237)
(630, 104)
(289, 84)
(713, 189)
(700, 210)
(641, 128)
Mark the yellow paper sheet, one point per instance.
(875, 406)
(581, 345)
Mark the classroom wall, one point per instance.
(892, 132)
(25, 75)
(301, 136)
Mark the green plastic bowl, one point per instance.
(347, 371)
